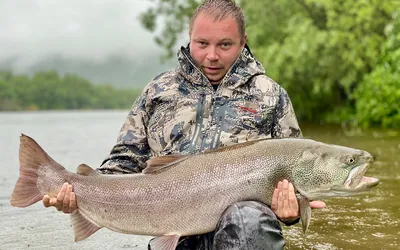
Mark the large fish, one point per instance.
(186, 195)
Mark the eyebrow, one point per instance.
(226, 40)
(196, 39)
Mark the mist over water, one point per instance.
(85, 37)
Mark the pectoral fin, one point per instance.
(165, 242)
(83, 228)
(305, 213)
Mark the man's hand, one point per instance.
(284, 202)
(65, 201)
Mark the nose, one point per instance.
(212, 54)
(370, 157)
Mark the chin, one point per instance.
(214, 79)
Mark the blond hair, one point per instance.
(220, 9)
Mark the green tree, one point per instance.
(378, 97)
(47, 90)
(318, 50)
(7, 96)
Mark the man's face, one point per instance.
(215, 45)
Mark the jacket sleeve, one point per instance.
(285, 122)
(132, 151)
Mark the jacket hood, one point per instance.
(245, 67)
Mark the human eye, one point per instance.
(226, 45)
(202, 44)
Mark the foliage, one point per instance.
(50, 91)
(378, 97)
(176, 16)
(328, 54)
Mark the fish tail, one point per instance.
(31, 158)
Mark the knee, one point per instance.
(250, 211)
(249, 224)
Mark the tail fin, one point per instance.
(31, 158)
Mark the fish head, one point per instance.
(325, 170)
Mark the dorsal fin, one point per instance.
(161, 162)
(84, 169)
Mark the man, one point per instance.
(217, 96)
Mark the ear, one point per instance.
(244, 40)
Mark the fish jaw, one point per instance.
(355, 183)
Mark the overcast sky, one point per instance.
(31, 30)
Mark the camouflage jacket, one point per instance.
(180, 112)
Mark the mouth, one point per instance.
(357, 181)
(211, 70)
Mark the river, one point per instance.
(368, 221)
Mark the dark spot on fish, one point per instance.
(249, 182)
(324, 155)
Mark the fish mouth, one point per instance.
(356, 181)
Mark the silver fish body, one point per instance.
(186, 195)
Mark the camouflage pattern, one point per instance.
(180, 112)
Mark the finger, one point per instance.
(60, 197)
(285, 190)
(49, 202)
(66, 200)
(72, 203)
(317, 204)
(280, 205)
(274, 202)
(53, 202)
(285, 199)
(46, 201)
(280, 184)
(293, 203)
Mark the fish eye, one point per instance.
(350, 160)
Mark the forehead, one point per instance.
(205, 26)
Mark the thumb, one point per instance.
(317, 204)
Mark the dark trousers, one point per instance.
(246, 225)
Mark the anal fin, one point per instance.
(165, 242)
(82, 227)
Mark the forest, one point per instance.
(47, 90)
(339, 60)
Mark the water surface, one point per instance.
(368, 221)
